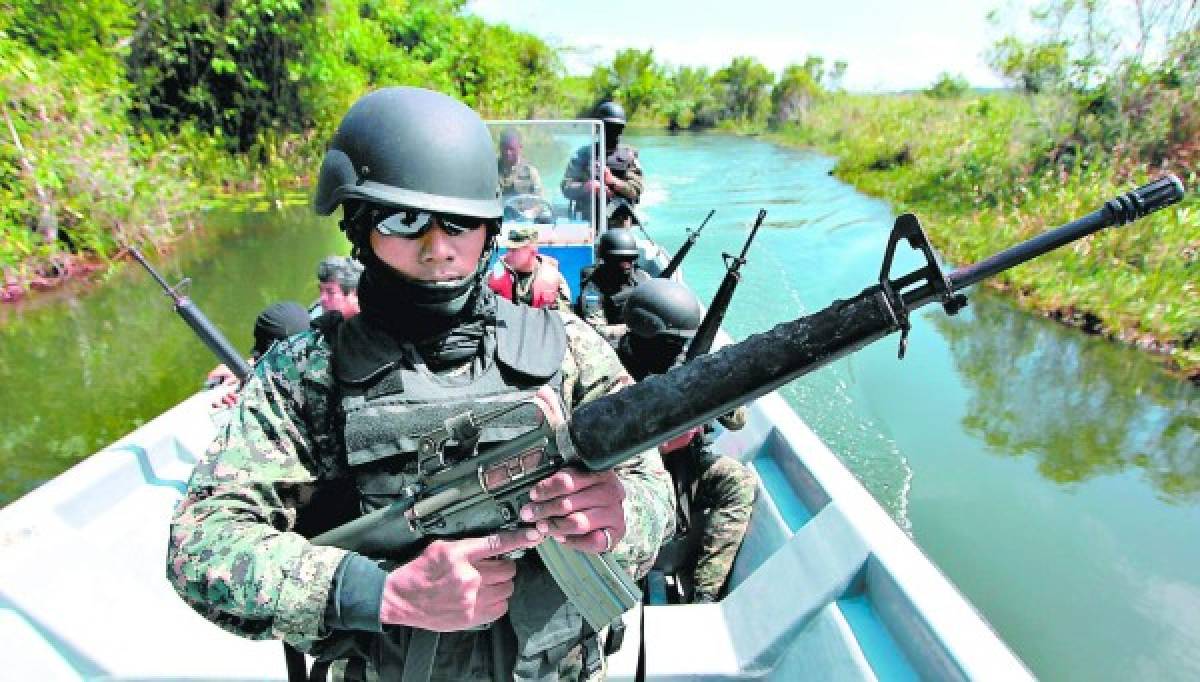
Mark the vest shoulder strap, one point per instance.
(529, 340)
(362, 352)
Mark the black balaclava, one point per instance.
(655, 355)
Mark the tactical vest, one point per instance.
(389, 399)
(611, 301)
(518, 180)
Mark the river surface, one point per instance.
(1054, 477)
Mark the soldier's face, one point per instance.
(435, 256)
(333, 297)
(612, 133)
(522, 258)
(511, 153)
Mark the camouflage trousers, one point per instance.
(723, 502)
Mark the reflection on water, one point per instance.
(1083, 407)
(78, 373)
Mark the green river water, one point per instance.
(1055, 478)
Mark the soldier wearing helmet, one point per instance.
(715, 493)
(620, 176)
(329, 422)
(603, 291)
(522, 275)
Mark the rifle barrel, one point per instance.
(1160, 193)
(677, 259)
(663, 406)
(702, 342)
(200, 324)
(762, 214)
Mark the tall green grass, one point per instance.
(981, 172)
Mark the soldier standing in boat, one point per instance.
(522, 275)
(328, 425)
(619, 176)
(604, 289)
(715, 492)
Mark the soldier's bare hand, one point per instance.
(455, 584)
(580, 509)
(550, 405)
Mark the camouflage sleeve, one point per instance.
(590, 370)
(575, 176)
(632, 183)
(231, 553)
(591, 310)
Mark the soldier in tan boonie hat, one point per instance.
(522, 275)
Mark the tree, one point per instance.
(633, 79)
(948, 86)
(838, 74)
(747, 90)
(693, 99)
(1033, 66)
(797, 88)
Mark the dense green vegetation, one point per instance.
(118, 118)
(1087, 122)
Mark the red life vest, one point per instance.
(545, 282)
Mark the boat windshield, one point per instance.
(534, 157)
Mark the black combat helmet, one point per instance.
(412, 148)
(278, 321)
(617, 243)
(662, 307)
(611, 112)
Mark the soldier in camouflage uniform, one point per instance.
(619, 177)
(327, 424)
(604, 289)
(517, 176)
(715, 492)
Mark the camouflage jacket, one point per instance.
(234, 555)
(622, 161)
(520, 178)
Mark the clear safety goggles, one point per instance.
(412, 223)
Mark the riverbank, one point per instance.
(118, 123)
(982, 174)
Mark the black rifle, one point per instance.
(199, 322)
(702, 342)
(484, 493)
(682, 253)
